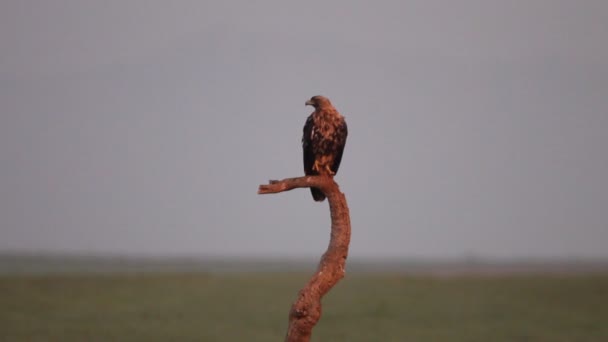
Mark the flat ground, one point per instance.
(253, 307)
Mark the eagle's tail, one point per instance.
(317, 194)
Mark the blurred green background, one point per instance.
(422, 304)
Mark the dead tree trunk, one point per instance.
(306, 310)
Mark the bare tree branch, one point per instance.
(306, 310)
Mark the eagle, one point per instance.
(323, 141)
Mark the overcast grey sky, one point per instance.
(477, 128)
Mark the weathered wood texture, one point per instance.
(306, 310)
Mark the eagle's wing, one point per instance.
(309, 157)
(340, 141)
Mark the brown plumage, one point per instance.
(323, 141)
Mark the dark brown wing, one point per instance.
(309, 156)
(339, 143)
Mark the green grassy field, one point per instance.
(241, 307)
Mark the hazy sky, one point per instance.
(477, 128)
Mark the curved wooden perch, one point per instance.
(306, 310)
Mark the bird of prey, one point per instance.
(323, 141)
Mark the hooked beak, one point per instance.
(309, 103)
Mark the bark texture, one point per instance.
(306, 310)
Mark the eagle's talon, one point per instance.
(316, 166)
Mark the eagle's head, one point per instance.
(319, 102)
